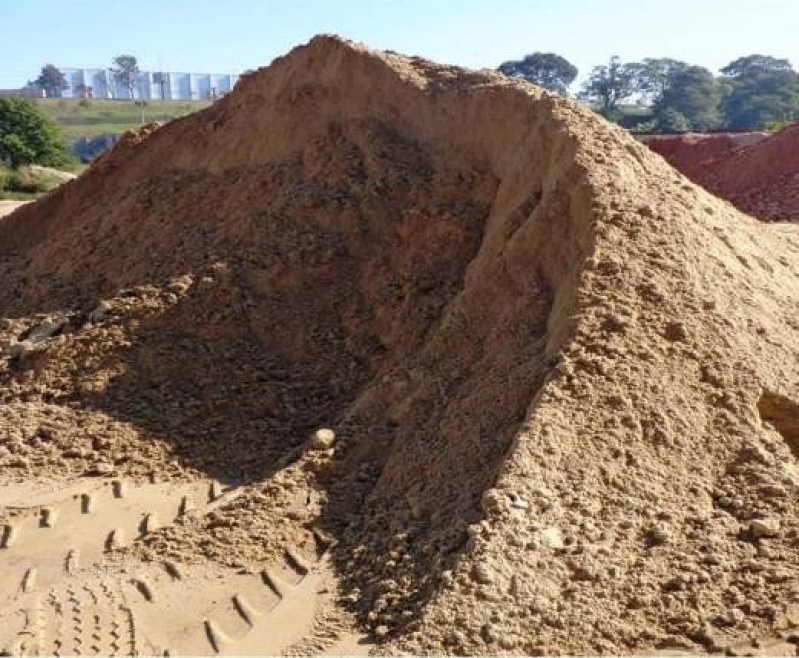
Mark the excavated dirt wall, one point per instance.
(757, 172)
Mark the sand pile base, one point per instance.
(375, 348)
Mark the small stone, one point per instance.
(732, 617)
(725, 501)
(675, 331)
(20, 350)
(518, 502)
(490, 633)
(323, 439)
(764, 528)
(552, 537)
(712, 559)
(658, 534)
(539, 605)
(482, 574)
(381, 631)
(45, 330)
(456, 638)
(103, 469)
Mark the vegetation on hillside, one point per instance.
(91, 117)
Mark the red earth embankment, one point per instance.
(757, 172)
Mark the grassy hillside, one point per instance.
(91, 117)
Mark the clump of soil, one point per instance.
(541, 354)
(757, 172)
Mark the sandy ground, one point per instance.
(65, 594)
(7, 207)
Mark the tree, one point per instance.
(762, 90)
(126, 72)
(52, 81)
(754, 65)
(28, 137)
(653, 76)
(547, 70)
(761, 99)
(692, 96)
(607, 86)
(670, 120)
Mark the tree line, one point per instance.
(667, 95)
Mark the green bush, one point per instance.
(29, 137)
(671, 121)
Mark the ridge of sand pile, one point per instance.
(562, 379)
(756, 172)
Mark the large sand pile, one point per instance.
(561, 381)
(758, 173)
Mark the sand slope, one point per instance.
(560, 378)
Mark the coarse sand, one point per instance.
(381, 355)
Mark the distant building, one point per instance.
(100, 83)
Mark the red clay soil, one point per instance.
(691, 153)
(762, 180)
(759, 176)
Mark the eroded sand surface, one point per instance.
(446, 365)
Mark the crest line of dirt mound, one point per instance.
(512, 379)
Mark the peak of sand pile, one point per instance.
(560, 381)
(757, 172)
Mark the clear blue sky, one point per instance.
(229, 36)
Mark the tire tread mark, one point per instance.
(58, 622)
(77, 620)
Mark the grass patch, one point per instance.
(27, 183)
(90, 117)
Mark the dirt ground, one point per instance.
(382, 355)
(757, 172)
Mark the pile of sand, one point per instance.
(560, 379)
(757, 172)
